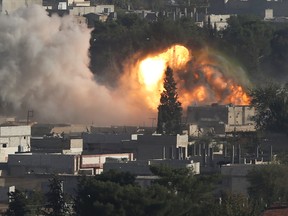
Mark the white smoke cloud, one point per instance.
(44, 67)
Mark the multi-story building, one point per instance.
(14, 139)
(143, 147)
(221, 119)
(70, 164)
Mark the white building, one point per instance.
(78, 3)
(8, 6)
(98, 9)
(220, 21)
(14, 139)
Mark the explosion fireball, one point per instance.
(200, 81)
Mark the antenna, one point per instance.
(30, 114)
(152, 119)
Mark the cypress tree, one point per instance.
(56, 205)
(169, 109)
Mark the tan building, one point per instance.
(14, 139)
(98, 9)
(220, 119)
(218, 21)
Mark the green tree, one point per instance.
(169, 110)
(282, 157)
(271, 103)
(193, 190)
(249, 38)
(234, 205)
(56, 205)
(97, 197)
(268, 184)
(18, 205)
(279, 52)
(122, 178)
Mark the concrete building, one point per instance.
(81, 10)
(14, 139)
(72, 3)
(240, 119)
(98, 9)
(143, 147)
(218, 21)
(99, 143)
(161, 147)
(142, 168)
(234, 176)
(220, 119)
(94, 164)
(31, 171)
(56, 145)
(71, 130)
(8, 6)
(29, 163)
(66, 164)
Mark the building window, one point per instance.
(4, 145)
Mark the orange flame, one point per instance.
(151, 71)
(202, 83)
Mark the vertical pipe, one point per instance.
(233, 154)
(204, 157)
(211, 155)
(271, 153)
(225, 150)
(239, 154)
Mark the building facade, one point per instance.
(221, 119)
(14, 139)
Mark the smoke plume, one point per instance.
(44, 67)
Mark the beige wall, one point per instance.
(11, 137)
(80, 11)
(240, 115)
